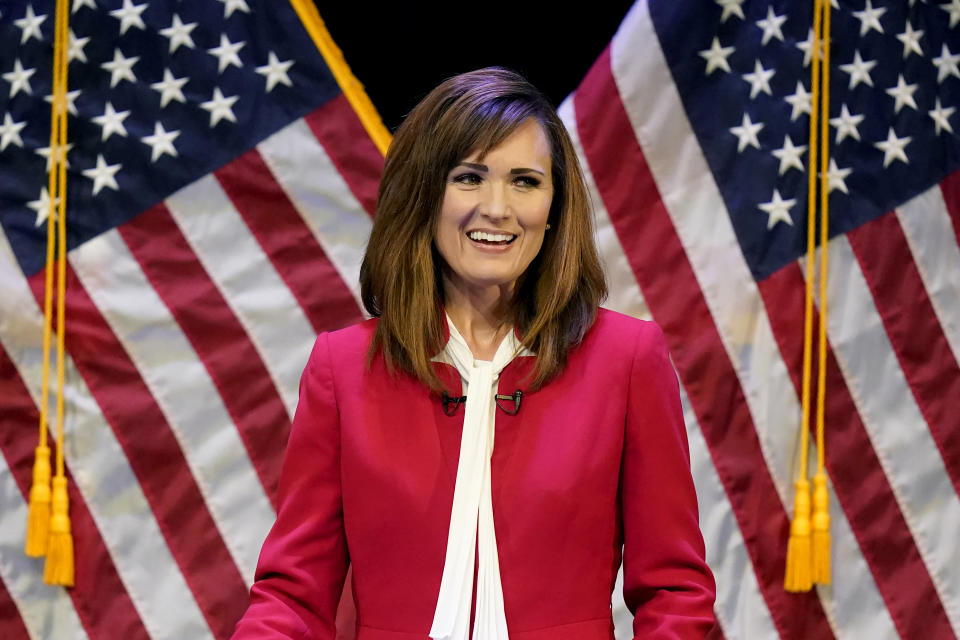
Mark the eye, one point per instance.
(528, 182)
(467, 179)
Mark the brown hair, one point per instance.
(556, 299)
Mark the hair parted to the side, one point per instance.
(555, 301)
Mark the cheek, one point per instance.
(535, 236)
(447, 233)
(533, 245)
(456, 206)
(535, 222)
(445, 239)
(536, 214)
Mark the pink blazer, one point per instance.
(594, 462)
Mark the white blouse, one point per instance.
(471, 519)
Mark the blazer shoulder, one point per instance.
(352, 341)
(619, 327)
(622, 340)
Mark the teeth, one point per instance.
(490, 237)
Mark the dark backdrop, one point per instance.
(399, 51)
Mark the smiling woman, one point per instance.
(490, 446)
(492, 221)
(509, 167)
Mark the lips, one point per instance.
(491, 238)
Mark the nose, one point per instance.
(495, 203)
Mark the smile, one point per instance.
(491, 238)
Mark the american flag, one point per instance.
(199, 277)
(219, 198)
(693, 126)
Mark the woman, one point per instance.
(483, 449)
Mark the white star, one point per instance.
(129, 16)
(111, 122)
(10, 132)
(44, 152)
(747, 133)
(161, 142)
(902, 94)
(120, 68)
(103, 175)
(846, 124)
(82, 3)
(41, 206)
(75, 50)
(227, 53)
(911, 41)
(220, 108)
(893, 147)
(275, 71)
(30, 25)
(716, 56)
(869, 18)
(954, 10)
(859, 70)
(799, 101)
(789, 155)
(71, 100)
(771, 26)
(807, 47)
(170, 88)
(19, 79)
(837, 177)
(759, 79)
(941, 117)
(179, 33)
(229, 6)
(730, 8)
(778, 209)
(946, 63)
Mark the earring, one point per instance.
(548, 226)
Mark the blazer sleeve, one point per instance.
(304, 559)
(667, 584)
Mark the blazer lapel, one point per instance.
(449, 428)
(507, 429)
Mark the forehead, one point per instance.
(528, 140)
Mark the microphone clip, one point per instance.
(515, 397)
(452, 403)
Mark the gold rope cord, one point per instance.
(808, 549)
(48, 521)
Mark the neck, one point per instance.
(481, 315)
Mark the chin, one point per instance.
(486, 279)
(491, 282)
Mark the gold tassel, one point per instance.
(798, 576)
(821, 514)
(59, 567)
(38, 516)
(821, 530)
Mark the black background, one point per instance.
(400, 51)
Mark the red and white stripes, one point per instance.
(737, 349)
(188, 328)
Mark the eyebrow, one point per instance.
(485, 168)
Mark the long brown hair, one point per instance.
(556, 299)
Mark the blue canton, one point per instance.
(161, 93)
(743, 72)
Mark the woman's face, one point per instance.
(494, 210)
